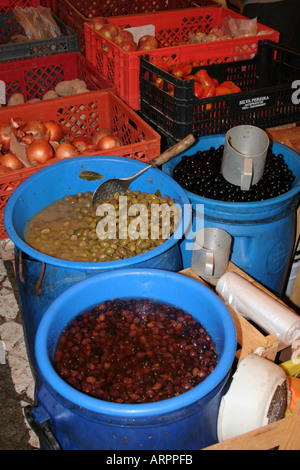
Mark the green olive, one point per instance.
(70, 230)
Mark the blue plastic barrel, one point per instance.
(263, 231)
(42, 278)
(78, 421)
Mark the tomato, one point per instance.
(159, 82)
(227, 84)
(208, 91)
(190, 77)
(182, 70)
(198, 90)
(222, 90)
(235, 89)
(160, 63)
(204, 78)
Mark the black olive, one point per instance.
(201, 174)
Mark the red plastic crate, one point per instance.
(34, 77)
(52, 4)
(171, 28)
(84, 114)
(76, 12)
(9, 5)
(91, 9)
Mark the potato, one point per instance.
(16, 98)
(33, 100)
(70, 87)
(81, 90)
(50, 94)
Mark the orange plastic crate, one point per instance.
(34, 77)
(84, 114)
(171, 28)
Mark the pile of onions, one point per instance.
(35, 142)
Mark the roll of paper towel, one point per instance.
(266, 312)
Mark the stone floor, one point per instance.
(16, 381)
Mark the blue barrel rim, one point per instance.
(265, 203)
(83, 265)
(138, 410)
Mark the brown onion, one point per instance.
(10, 160)
(55, 129)
(27, 139)
(5, 136)
(99, 134)
(36, 128)
(81, 142)
(98, 22)
(39, 152)
(66, 150)
(4, 170)
(17, 123)
(108, 142)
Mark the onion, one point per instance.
(4, 169)
(98, 22)
(55, 129)
(99, 134)
(66, 150)
(17, 123)
(5, 136)
(36, 128)
(108, 142)
(81, 142)
(11, 161)
(39, 152)
(27, 139)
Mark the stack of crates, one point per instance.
(172, 30)
(34, 68)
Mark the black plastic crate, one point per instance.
(267, 97)
(67, 42)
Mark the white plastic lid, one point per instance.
(257, 396)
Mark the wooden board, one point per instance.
(283, 435)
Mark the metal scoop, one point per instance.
(108, 188)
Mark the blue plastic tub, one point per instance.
(42, 278)
(78, 421)
(263, 232)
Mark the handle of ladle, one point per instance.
(174, 150)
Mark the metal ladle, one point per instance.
(108, 188)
